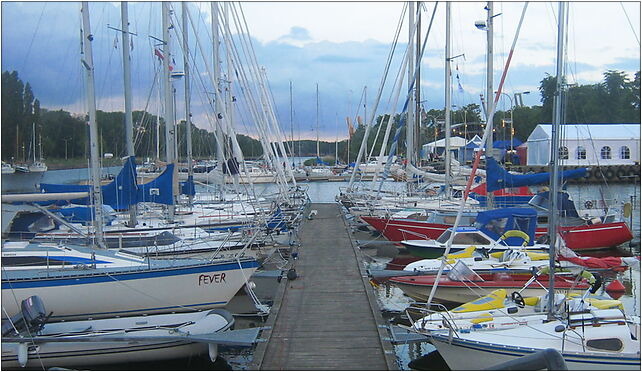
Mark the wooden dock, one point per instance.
(327, 318)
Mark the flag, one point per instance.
(460, 88)
(158, 54)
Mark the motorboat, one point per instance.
(462, 285)
(31, 340)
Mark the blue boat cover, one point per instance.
(277, 221)
(498, 178)
(159, 190)
(318, 161)
(118, 194)
(84, 215)
(496, 222)
(187, 187)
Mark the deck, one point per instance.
(327, 318)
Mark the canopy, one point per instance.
(496, 222)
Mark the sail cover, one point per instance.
(118, 194)
(498, 178)
(159, 190)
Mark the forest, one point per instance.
(63, 135)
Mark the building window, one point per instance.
(581, 153)
(605, 152)
(625, 153)
(563, 152)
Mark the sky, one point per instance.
(341, 46)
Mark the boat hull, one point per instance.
(419, 287)
(479, 355)
(397, 230)
(108, 294)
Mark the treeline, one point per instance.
(63, 135)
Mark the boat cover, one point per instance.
(118, 194)
(158, 190)
(496, 222)
(499, 178)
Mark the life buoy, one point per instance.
(609, 174)
(620, 173)
(597, 174)
(588, 204)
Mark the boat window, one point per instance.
(497, 226)
(581, 152)
(26, 261)
(625, 153)
(470, 238)
(610, 344)
(563, 152)
(443, 238)
(522, 223)
(542, 220)
(605, 153)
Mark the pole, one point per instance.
(318, 121)
(553, 212)
(447, 81)
(168, 114)
(410, 120)
(188, 111)
(416, 134)
(490, 197)
(88, 62)
(218, 92)
(129, 122)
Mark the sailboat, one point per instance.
(587, 339)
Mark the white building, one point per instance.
(440, 145)
(587, 144)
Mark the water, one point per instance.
(391, 300)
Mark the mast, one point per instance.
(129, 122)
(33, 140)
(490, 197)
(447, 82)
(553, 212)
(318, 157)
(410, 131)
(170, 156)
(417, 136)
(218, 96)
(336, 142)
(188, 112)
(88, 62)
(291, 121)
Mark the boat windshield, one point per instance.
(469, 237)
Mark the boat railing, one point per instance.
(403, 233)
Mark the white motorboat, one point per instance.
(30, 341)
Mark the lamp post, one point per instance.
(512, 108)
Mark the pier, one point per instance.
(327, 318)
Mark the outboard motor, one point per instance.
(32, 317)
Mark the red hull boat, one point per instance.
(582, 237)
(419, 287)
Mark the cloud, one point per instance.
(297, 35)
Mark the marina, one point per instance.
(160, 213)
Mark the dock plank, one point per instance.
(325, 318)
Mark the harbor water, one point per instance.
(391, 300)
